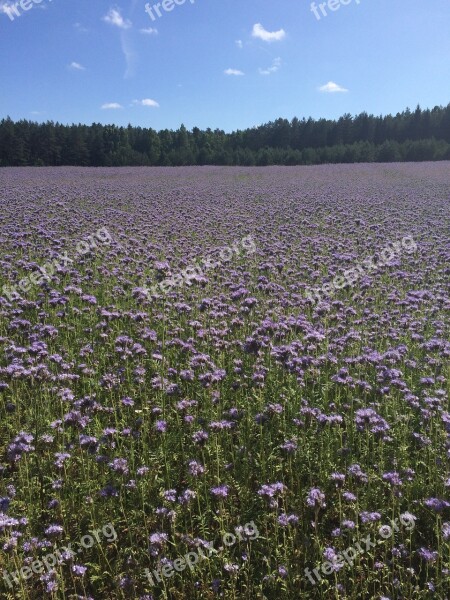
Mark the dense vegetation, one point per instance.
(173, 419)
(408, 136)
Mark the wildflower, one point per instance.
(315, 498)
(436, 504)
(369, 517)
(195, 468)
(220, 491)
(161, 426)
(429, 556)
(79, 570)
(54, 531)
(119, 465)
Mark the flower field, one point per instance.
(180, 419)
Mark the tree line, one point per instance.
(408, 136)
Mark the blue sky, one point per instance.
(85, 61)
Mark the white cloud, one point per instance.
(267, 36)
(233, 72)
(115, 18)
(146, 102)
(239, 44)
(111, 105)
(74, 66)
(276, 64)
(149, 31)
(331, 88)
(79, 27)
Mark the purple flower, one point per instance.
(330, 554)
(119, 465)
(126, 582)
(88, 441)
(285, 520)
(368, 418)
(221, 491)
(157, 542)
(339, 478)
(6, 521)
(186, 497)
(315, 498)
(393, 478)
(337, 532)
(200, 437)
(61, 457)
(356, 472)
(79, 570)
(369, 517)
(272, 489)
(430, 556)
(109, 492)
(20, 445)
(195, 468)
(54, 531)
(282, 571)
(290, 446)
(436, 504)
(4, 504)
(170, 495)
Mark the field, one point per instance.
(188, 413)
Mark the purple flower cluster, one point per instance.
(179, 416)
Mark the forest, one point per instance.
(419, 135)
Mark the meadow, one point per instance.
(228, 435)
